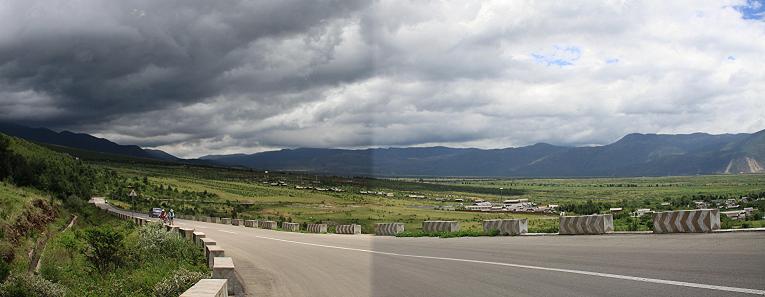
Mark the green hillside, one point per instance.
(48, 233)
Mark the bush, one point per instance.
(23, 285)
(725, 222)
(177, 283)
(4, 270)
(104, 246)
(154, 241)
(633, 226)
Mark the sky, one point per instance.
(196, 77)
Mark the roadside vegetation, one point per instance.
(52, 243)
(461, 233)
(104, 256)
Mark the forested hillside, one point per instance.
(48, 233)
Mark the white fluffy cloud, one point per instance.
(386, 73)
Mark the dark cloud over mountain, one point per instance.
(199, 77)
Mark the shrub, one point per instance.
(6, 252)
(4, 270)
(725, 222)
(154, 241)
(177, 283)
(633, 225)
(23, 285)
(103, 247)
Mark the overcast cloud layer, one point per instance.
(198, 77)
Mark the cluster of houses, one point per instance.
(387, 194)
(731, 204)
(511, 205)
(284, 184)
(734, 210)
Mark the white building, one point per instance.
(641, 212)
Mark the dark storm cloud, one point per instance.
(199, 77)
(99, 59)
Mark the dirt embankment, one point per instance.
(35, 217)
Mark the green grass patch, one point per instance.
(461, 233)
(104, 256)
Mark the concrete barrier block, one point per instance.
(686, 221)
(388, 229)
(175, 229)
(208, 288)
(507, 227)
(294, 227)
(203, 242)
(348, 229)
(214, 220)
(223, 268)
(580, 225)
(212, 251)
(187, 233)
(235, 222)
(316, 228)
(251, 223)
(197, 236)
(440, 226)
(225, 221)
(267, 224)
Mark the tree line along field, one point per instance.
(248, 194)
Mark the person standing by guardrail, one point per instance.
(171, 216)
(163, 216)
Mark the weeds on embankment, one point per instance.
(461, 233)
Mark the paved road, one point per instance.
(275, 263)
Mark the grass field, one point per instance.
(248, 194)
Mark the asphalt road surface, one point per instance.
(276, 263)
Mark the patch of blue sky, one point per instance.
(752, 10)
(732, 58)
(612, 61)
(559, 56)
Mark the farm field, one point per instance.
(249, 194)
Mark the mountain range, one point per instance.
(632, 155)
(82, 141)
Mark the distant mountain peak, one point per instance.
(81, 141)
(635, 154)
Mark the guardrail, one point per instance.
(316, 228)
(686, 221)
(293, 227)
(592, 224)
(388, 229)
(440, 226)
(348, 229)
(267, 225)
(208, 288)
(223, 268)
(507, 227)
